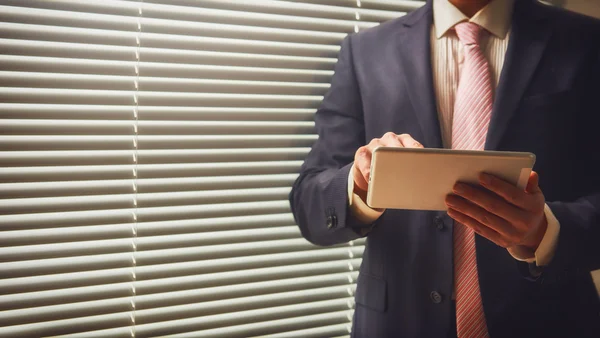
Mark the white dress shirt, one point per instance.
(447, 58)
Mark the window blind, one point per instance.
(147, 149)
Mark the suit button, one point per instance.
(439, 223)
(331, 221)
(435, 296)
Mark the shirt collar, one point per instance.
(495, 17)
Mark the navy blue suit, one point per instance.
(546, 103)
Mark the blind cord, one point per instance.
(135, 168)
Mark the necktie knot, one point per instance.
(468, 33)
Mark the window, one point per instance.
(147, 151)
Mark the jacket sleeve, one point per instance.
(578, 248)
(319, 197)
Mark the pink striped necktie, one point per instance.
(472, 111)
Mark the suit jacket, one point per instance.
(546, 103)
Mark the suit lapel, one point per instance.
(530, 33)
(415, 56)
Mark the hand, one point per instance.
(362, 157)
(501, 212)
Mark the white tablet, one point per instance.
(420, 179)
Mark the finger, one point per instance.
(484, 217)
(359, 178)
(479, 228)
(490, 202)
(390, 139)
(533, 183)
(362, 167)
(409, 142)
(507, 191)
(362, 161)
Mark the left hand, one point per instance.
(501, 212)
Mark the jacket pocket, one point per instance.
(371, 292)
(548, 98)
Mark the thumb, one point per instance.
(533, 183)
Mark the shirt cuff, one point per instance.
(545, 251)
(359, 208)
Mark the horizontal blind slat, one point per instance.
(242, 330)
(74, 51)
(68, 326)
(68, 249)
(56, 49)
(104, 36)
(125, 8)
(39, 314)
(208, 29)
(182, 276)
(106, 172)
(153, 300)
(203, 14)
(89, 96)
(121, 157)
(271, 41)
(226, 72)
(142, 185)
(66, 234)
(243, 222)
(47, 266)
(57, 281)
(225, 227)
(207, 252)
(321, 331)
(386, 5)
(142, 200)
(63, 18)
(232, 291)
(94, 217)
(77, 96)
(21, 111)
(264, 237)
(35, 299)
(238, 45)
(297, 8)
(171, 306)
(66, 65)
(177, 276)
(334, 298)
(253, 323)
(162, 69)
(124, 127)
(222, 58)
(55, 142)
(68, 188)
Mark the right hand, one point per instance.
(362, 157)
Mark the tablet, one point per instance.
(420, 179)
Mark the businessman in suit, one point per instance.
(512, 75)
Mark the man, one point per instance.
(467, 74)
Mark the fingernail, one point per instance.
(458, 187)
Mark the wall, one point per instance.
(587, 7)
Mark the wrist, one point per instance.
(536, 238)
(360, 192)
